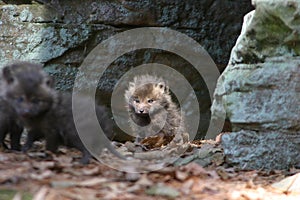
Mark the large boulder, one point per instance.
(259, 91)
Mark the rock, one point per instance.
(36, 41)
(17, 1)
(261, 150)
(259, 91)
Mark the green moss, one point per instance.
(273, 30)
(6, 194)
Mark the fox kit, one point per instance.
(9, 124)
(46, 113)
(151, 109)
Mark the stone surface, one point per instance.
(260, 88)
(25, 36)
(261, 150)
(60, 33)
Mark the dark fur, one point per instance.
(9, 124)
(46, 112)
(148, 98)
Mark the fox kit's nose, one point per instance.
(141, 110)
(25, 112)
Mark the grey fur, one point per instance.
(46, 112)
(158, 117)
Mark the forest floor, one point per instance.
(39, 175)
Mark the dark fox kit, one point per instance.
(151, 108)
(45, 112)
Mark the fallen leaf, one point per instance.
(224, 175)
(132, 176)
(144, 181)
(64, 160)
(156, 141)
(163, 190)
(76, 194)
(92, 182)
(43, 175)
(218, 158)
(289, 184)
(18, 196)
(184, 161)
(89, 172)
(198, 170)
(86, 183)
(62, 184)
(3, 158)
(180, 175)
(116, 189)
(41, 194)
(37, 155)
(186, 186)
(43, 165)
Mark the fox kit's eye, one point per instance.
(150, 101)
(50, 82)
(20, 99)
(137, 101)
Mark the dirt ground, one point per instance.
(41, 175)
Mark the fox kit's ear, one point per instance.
(131, 85)
(7, 75)
(162, 87)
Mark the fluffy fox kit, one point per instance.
(151, 109)
(45, 112)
